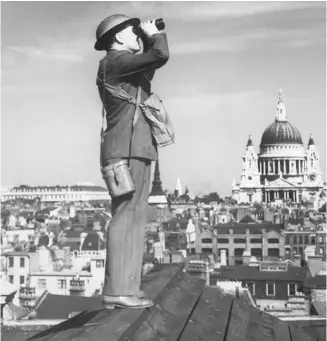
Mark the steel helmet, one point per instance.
(112, 25)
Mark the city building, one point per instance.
(59, 193)
(276, 287)
(305, 242)
(18, 265)
(263, 241)
(284, 169)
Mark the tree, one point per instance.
(233, 202)
(213, 196)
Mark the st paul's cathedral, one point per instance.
(283, 169)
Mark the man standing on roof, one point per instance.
(119, 36)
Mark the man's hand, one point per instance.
(149, 28)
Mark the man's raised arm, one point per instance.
(155, 57)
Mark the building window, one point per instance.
(301, 251)
(256, 240)
(313, 240)
(270, 289)
(273, 240)
(11, 262)
(300, 239)
(11, 279)
(99, 263)
(292, 289)
(239, 241)
(42, 283)
(306, 240)
(206, 240)
(21, 279)
(61, 284)
(294, 239)
(251, 287)
(22, 262)
(223, 241)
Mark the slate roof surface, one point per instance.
(318, 282)
(184, 309)
(315, 328)
(73, 245)
(43, 241)
(55, 307)
(239, 228)
(247, 220)
(244, 272)
(72, 234)
(93, 242)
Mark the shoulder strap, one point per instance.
(135, 117)
(120, 93)
(103, 113)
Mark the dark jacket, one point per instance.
(132, 69)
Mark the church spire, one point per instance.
(281, 110)
(156, 183)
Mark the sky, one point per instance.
(228, 61)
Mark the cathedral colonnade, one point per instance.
(286, 166)
(278, 194)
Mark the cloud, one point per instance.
(206, 103)
(47, 54)
(197, 10)
(248, 39)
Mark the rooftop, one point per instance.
(245, 272)
(184, 309)
(240, 228)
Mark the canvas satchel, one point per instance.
(159, 120)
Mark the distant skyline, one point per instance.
(228, 62)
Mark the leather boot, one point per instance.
(140, 294)
(110, 302)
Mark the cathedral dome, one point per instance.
(281, 132)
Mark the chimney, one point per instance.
(197, 234)
(72, 211)
(223, 260)
(67, 257)
(246, 257)
(44, 258)
(36, 239)
(51, 237)
(297, 259)
(82, 235)
(100, 238)
(96, 225)
(162, 240)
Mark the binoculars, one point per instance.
(158, 22)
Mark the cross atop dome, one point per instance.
(281, 110)
(280, 96)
